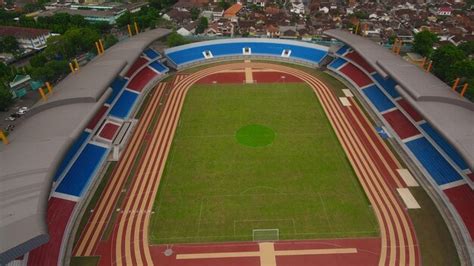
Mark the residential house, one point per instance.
(232, 12)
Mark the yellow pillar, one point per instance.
(101, 46)
(400, 45)
(76, 64)
(464, 89)
(357, 28)
(98, 48)
(423, 62)
(428, 69)
(49, 87)
(72, 68)
(129, 30)
(455, 85)
(136, 27)
(3, 137)
(394, 46)
(43, 95)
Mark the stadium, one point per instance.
(242, 151)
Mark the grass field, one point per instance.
(256, 157)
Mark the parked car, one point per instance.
(15, 115)
(10, 118)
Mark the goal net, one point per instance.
(266, 234)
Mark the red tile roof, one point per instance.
(19, 32)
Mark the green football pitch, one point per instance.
(263, 156)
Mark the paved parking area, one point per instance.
(28, 100)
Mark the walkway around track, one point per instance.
(371, 159)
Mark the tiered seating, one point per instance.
(141, 79)
(152, 54)
(108, 131)
(356, 75)
(59, 211)
(117, 85)
(410, 110)
(462, 197)
(123, 106)
(441, 171)
(387, 84)
(141, 61)
(97, 117)
(400, 123)
(337, 63)
(378, 99)
(444, 145)
(82, 170)
(356, 58)
(70, 154)
(193, 54)
(342, 50)
(158, 66)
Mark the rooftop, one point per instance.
(19, 32)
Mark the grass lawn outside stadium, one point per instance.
(257, 156)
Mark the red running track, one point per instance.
(462, 197)
(136, 65)
(97, 117)
(59, 211)
(368, 250)
(141, 79)
(355, 74)
(410, 110)
(400, 123)
(108, 131)
(355, 57)
(239, 77)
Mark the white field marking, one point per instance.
(345, 101)
(347, 92)
(407, 177)
(453, 184)
(408, 198)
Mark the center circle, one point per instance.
(255, 135)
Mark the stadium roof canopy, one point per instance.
(39, 143)
(451, 114)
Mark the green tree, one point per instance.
(38, 60)
(110, 40)
(224, 4)
(202, 25)
(423, 42)
(467, 47)
(174, 39)
(6, 98)
(195, 13)
(9, 44)
(444, 59)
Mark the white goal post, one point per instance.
(266, 234)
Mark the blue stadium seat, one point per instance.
(70, 154)
(387, 84)
(150, 53)
(441, 171)
(342, 50)
(337, 63)
(117, 85)
(193, 54)
(158, 66)
(80, 173)
(378, 99)
(444, 145)
(124, 104)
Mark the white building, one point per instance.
(28, 38)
